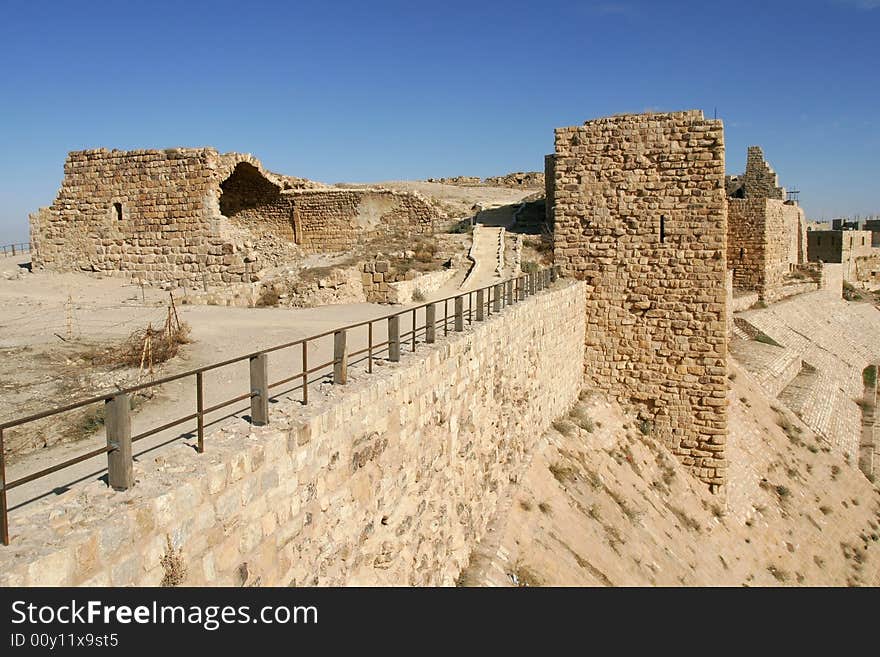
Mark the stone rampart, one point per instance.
(391, 480)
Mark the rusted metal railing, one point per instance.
(14, 249)
(489, 299)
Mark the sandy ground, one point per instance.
(459, 200)
(49, 318)
(609, 506)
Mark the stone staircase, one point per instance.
(823, 344)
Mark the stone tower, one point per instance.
(640, 214)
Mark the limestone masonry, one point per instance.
(759, 180)
(767, 241)
(850, 248)
(393, 477)
(195, 216)
(640, 215)
(392, 482)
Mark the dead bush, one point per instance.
(564, 427)
(268, 298)
(173, 564)
(143, 347)
(582, 418)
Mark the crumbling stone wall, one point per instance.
(766, 240)
(759, 180)
(383, 283)
(518, 180)
(867, 268)
(391, 480)
(640, 216)
(273, 220)
(148, 214)
(340, 219)
(195, 216)
(549, 177)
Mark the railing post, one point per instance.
(259, 390)
(4, 511)
(394, 338)
(13, 249)
(459, 314)
(496, 302)
(481, 307)
(200, 409)
(431, 323)
(305, 374)
(522, 287)
(508, 289)
(532, 283)
(370, 348)
(117, 422)
(340, 358)
(414, 329)
(553, 274)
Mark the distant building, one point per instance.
(840, 246)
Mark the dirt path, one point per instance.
(219, 334)
(38, 374)
(487, 253)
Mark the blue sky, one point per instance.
(361, 91)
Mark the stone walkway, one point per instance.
(487, 253)
(825, 343)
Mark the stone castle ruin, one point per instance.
(767, 236)
(639, 214)
(396, 479)
(758, 181)
(192, 215)
(639, 208)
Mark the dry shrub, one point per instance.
(581, 417)
(173, 564)
(425, 250)
(268, 298)
(162, 345)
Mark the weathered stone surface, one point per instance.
(640, 215)
(767, 240)
(191, 216)
(393, 481)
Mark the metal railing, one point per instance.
(482, 302)
(15, 249)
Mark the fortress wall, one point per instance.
(640, 215)
(766, 239)
(340, 219)
(746, 242)
(147, 215)
(391, 480)
(785, 225)
(161, 216)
